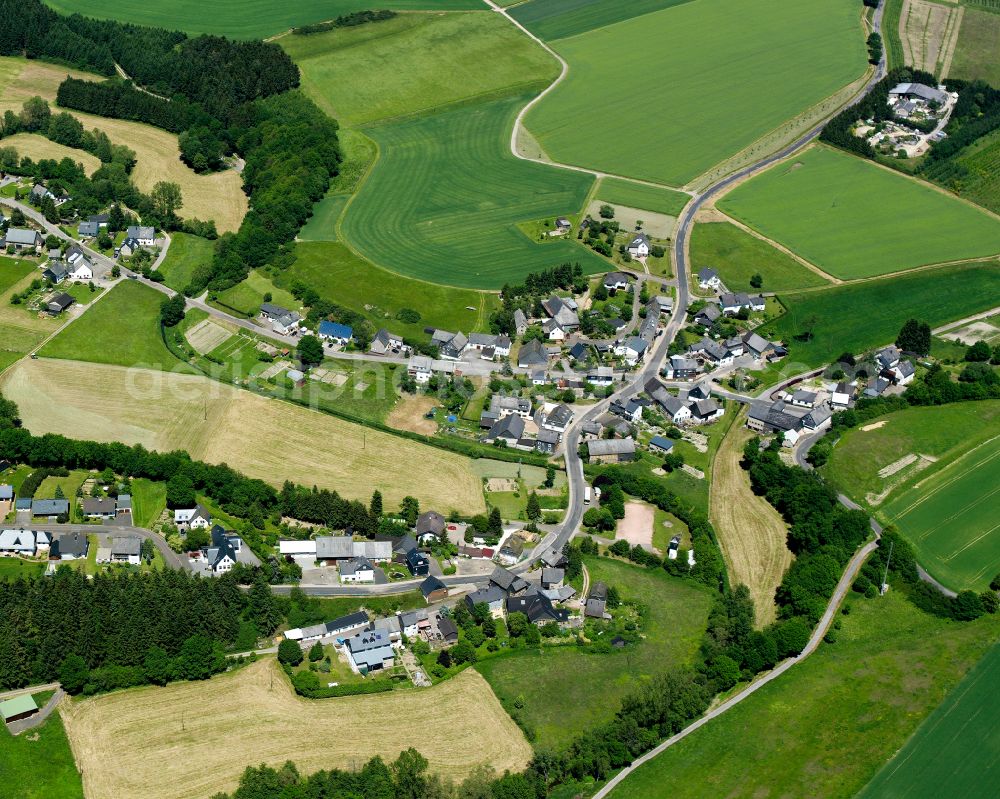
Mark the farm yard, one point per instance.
(265, 438)
(556, 19)
(954, 750)
(828, 724)
(256, 713)
(798, 55)
(842, 213)
(752, 534)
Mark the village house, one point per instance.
(50, 509)
(660, 445)
(78, 265)
(335, 333)
(639, 246)
(22, 239)
(711, 352)
(509, 429)
(55, 272)
(520, 322)
(705, 411)
(386, 343)
(88, 229)
(611, 450)
(345, 624)
(708, 279)
(553, 331)
(283, 321)
(104, 508)
(633, 350)
(433, 590)
(430, 526)
(602, 376)
(501, 406)
(681, 368)
(552, 578)
(420, 369)
(616, 281)
(558, 419)
(508, 582)
(843, 395)
(370, 651)
(597, 602)
(24, 543)
(418, 563)
(222, 555)
(511, 550)
(357, 570)
(537, 607)
(126, 549)
(143, 234)
(532, 354)
(69, 546)
(732, 304)
(563, 311)
(450, 345)
(708, 316)
(756, 345)
(196, 518)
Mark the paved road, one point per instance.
(170, 558)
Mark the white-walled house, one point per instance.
(639, 246)
(708, 279)
(196, 518)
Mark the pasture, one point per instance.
(556, 19)
(20, 330)
(443, 201)
(415, 63)
(842, 213)
(955, 751)
(567, 691)
(978, 45)
(671, 129)
(322, 225)
(662, 200)
(250, 19)
(186, 253)
(215, 422)
(38, 764)
(826, 726)
(737, 256)
(37, 147)
(869, 314)
(256, 713)
(752, 534)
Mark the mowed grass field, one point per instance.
(864, 315)
(20, 330)
(250, 19)
(567, 691)
(719, 85)
(415, 63)
(616, 191)
(186, 254)
(443, 201)
(456, 726)
(265, 438)
(826, 726)
(37, 147)
(38, 764)
(956, 751)
(978, 45)
(845, 214)
(555, 19)
(342, 277)
(737, 256)
(752, 534)
(322, 225)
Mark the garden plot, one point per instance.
(206, 336)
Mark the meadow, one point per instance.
(443, 201)
(843, 214)
(250, 19)
(340, 276)
(701, 108)
(981, 183)
(954, 752)
(737, 256)
(149, 498)
(415, 63)
(978, 44)
(20, 330)
(246, 296)
(39, 764)
(217, 423)
(456, 726)
(186, 254)
(37, 147)
(556, 19)
(322, 225)
(869, 314)
(616, 191)
(566, 691)
(825, 727)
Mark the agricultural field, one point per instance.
(567, 691)
(869, 314)
(826, 726)
(955, 750)
(258, 715)
(981, 182)
(415, 63)
(340, 276)
(443, 202)
(39, 764)
(978, 45)
(217, 196)
(616, 191)
(737, 256)
(186, 253)
(928, 33)
(798, 55)
(37, 147)
(752, 534)
(264, 438)
(251, 19)
(556, 19)
(98, 335)
(842, 213)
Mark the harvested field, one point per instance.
(929, 32)
(410, 414)
(257, 718)
(265, 438)
(751, 532)
(207, 335)
(495, 484)
(637, 526)
(36, 147)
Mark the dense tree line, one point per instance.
(344, 21)
(327, 508)
(976, 114)
(527, 296)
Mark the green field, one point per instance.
(443, 201)
(981, 183)
(737, 256)
(858, 317)
(246, 297)
(149, 498)
(843, 214)
(567, 692)
(12, 270)
(637, 195)
(322, 225)
(39, 764)
(416, 62)
(683, 89)
(186, 253)
(100, 337)
(250, 19)
(12, 568)
(956, 751)
(826, 726)
(556, 19)
(978, 45)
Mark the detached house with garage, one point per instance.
(639, 246)
(283, 321)
(708, 279)
(196, 518)
(144, 235)
(386, 343)
(335, 333)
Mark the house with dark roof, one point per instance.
(22, 239)
(509, 429)
(638, 247)
(370, 651)
(433, 590)
(537, 607)
(344, 624)
(196, 518)
(386, 343)
(708, 315)
(708, 278)
(680, 368)
(144, 234)
(126, 549)
(50, 508)
(492, 596)
(58, 303)
(222, 554)
(520, 322)
(418, 563)
(579, 351)
(508, 582)
(69, 546)
(705, 411)
(102, 508)
(563, 311)
(616, 281)
(55, 272)
(558, 419)
(660, 445)
(430, 524)
(552, 577)
(448, 630)
(611, 450)
(282, 320)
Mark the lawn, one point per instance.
(737, 256)
(555, 19)
(68, 486)
(954, 752)
(81, 292)
(415, 63)
(39, 764)
(443, 202)
(322, 225)
(616, 191)
(978, 45)
(123, 328)
(13, 270)
(250, 19)
(11, 569)
(246, 297)
(719, 84)
(825, 727)
(186, 254)
(149, 498)
(566, 691)
(858, 317)
(843, 214)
